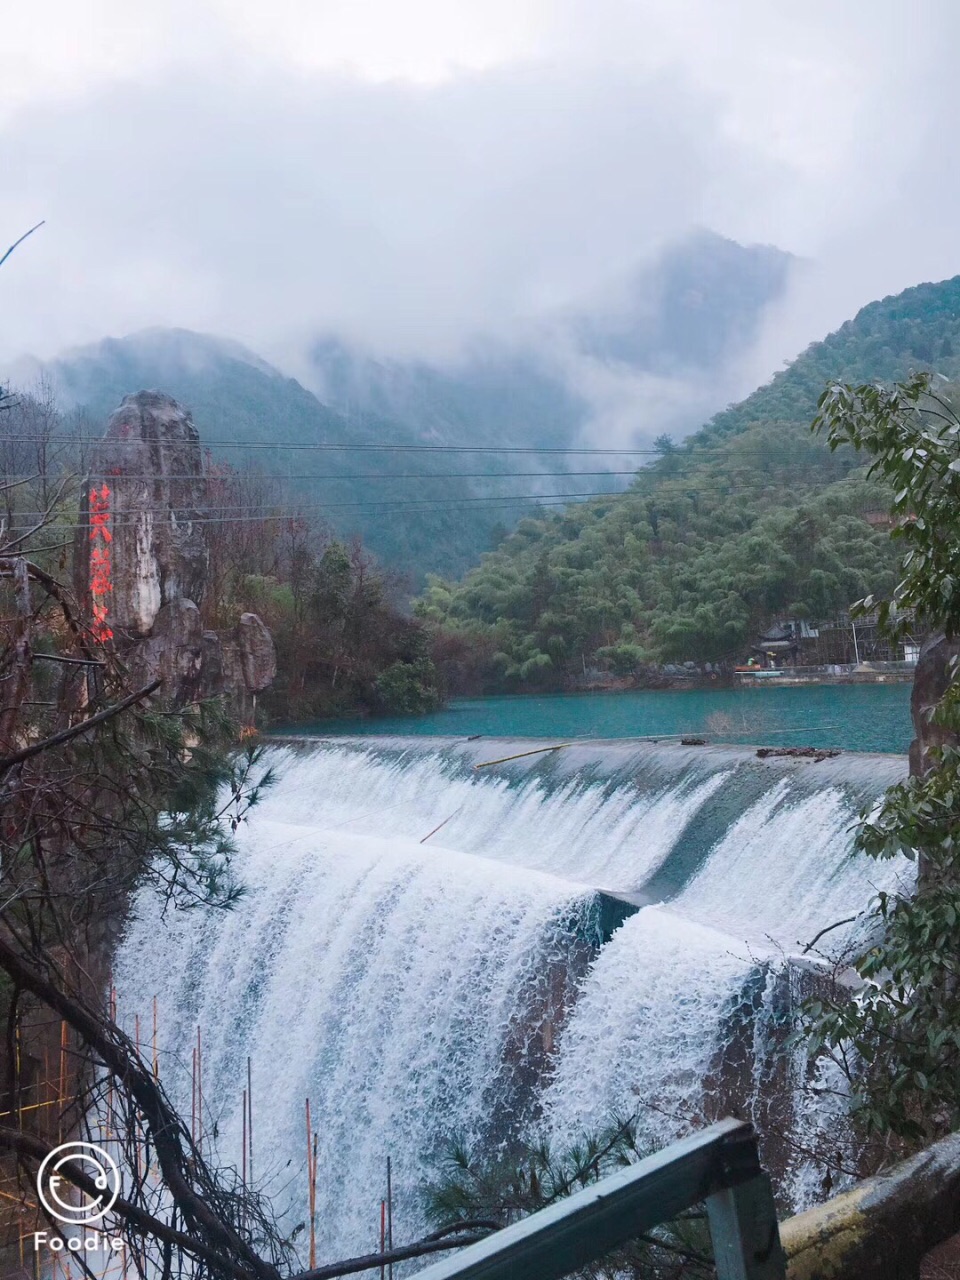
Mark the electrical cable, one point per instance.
(289, 446)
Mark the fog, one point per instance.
(410, 178)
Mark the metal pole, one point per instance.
(744, 1231)
(199, 1094)
(383, 1234)
(193, 1099)
(856, 649)
(312, 1188)
(389, 1218)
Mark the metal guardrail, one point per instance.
(720, 1166)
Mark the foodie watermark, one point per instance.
(79, 1216)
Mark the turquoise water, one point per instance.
(851, 717)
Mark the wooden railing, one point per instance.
(720, 1166)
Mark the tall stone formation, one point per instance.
(142, 558)
(147, 475)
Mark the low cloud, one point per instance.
(403, 218)
(272, 175)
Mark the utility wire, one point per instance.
(733, 485)
(297, 508)
(416, 504)
(214, 477)
(388, 505)
(398, 508)
(286, 446)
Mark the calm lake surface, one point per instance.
(851, 717)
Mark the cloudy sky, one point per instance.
(412, 173)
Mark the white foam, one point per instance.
(398, 984)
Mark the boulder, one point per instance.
(174, 651)
(211, 665)
(258, 657)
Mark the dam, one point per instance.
(429, 949)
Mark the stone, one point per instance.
(146, 477)
(142, 560)
(930, 682)
(258, 656)
(211, 665)
(174, 651)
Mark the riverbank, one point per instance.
(861, 673)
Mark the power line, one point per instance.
(389, 506)
(287, 446)
(662, 479)
(397, 502)
(331, 476)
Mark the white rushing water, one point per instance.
(416, 990)
(646, 1027)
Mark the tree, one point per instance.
(106, 787)
(897, 1038)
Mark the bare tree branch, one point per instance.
(174, 1149)
(372, 1260)
(21, 240)
(65, 735)
(23, 1144)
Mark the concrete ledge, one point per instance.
(882, 1228)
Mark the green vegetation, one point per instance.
(749, 519)
(471, 1189)
(897, 1038)
(887, 339)
(686, 566)
(342, 639)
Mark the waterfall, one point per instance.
(465, 985)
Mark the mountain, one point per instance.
(237, 398)
(888, 339)
(495, 395)
(751, 518)
(661, 342)
(686, 319)
(697, 308)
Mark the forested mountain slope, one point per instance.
(685, 318)
(236, 397)
(919, 328)
(751, 518)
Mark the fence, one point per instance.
(720, 1166)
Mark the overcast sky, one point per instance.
(413, 173)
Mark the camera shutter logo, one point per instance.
(98, 1165)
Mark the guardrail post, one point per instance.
(745, 1234)
(720, 1165)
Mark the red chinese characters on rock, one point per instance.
(101, 583)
